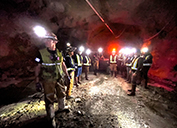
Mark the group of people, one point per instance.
(56, 70)
(134, 67)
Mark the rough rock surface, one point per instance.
(98, 103)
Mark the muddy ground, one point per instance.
(101, 102)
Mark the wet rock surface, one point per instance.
(100, 102)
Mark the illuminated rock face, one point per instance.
(131, 22)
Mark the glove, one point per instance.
(75, 67)
(38, 87)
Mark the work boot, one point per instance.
(111, 73)
(79, 82)
(145, 86)
(69, 97)
(131, 94)
(132, 90)
(53, 123)
(65, 109)
(76, 85)
(115, 74)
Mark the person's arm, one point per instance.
(37, 72)
(65, 69)
(140, 64)
(38, 61)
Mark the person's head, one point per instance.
(113, 52)
(137, 53)
(70, 51)
(50, 40)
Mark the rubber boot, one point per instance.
(132, 90)
(145, 86)
(111, 73)
(79, 80)
(76, 81)
(115, 73)
(51, 115)
(61, 103)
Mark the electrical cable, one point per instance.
(100, 17)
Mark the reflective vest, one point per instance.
(113, 60)
(132, 59)
(79, 60)
(135, 64)
(51, 69)
(147, 63)
(88, 60)
(69, 63)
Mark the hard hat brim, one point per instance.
(51, 37)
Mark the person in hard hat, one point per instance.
(78, 59)
(146, 66)
(95, 63)
(128, 64)
(136, 69)
(113, 63)
(51, 71)
(71, 69)
(86, 65)
(119, 61)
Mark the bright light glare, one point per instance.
(88, 51)
(127, 51)
(133, 50)
(121, 50)
(145, 49)
(113, 50)
(100, 50)
(81, 48)
(39, 31)
(68, 44)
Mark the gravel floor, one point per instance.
(100, 102)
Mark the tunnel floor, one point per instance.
(101, 102)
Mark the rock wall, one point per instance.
(133, 22)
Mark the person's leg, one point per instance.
(49, 91)
(60, 92)
(94, 68)
(133, 89)
(111, 68)
(79, 77)
(70, 87)
(86, 72)
(115, 70)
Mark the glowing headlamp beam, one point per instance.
(88, 51)
(40, 31)
(68, 44)
(145, 49)
(81, 48)
(100, 50)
